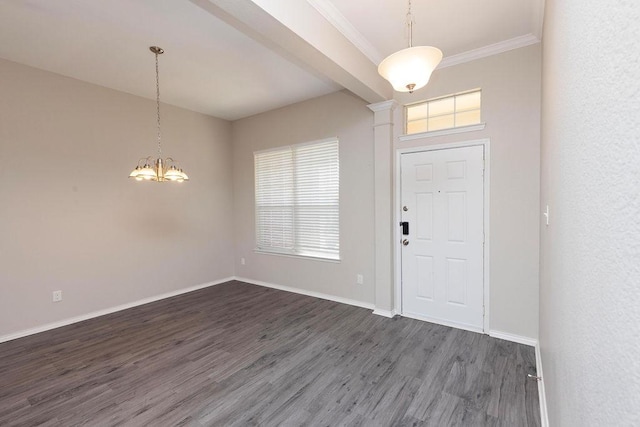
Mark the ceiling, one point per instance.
(235, 58)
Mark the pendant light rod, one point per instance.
(410, 25)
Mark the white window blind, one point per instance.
(297, 199)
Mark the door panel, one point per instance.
(424, 210)
(442, 264)
(424, 267)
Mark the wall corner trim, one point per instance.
(305, 292)
(98, 313)
(542, 395)
(385, 313)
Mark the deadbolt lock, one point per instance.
(405, 242)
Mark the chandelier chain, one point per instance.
(158, 107)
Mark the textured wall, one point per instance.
(590, 252)
(347, 117)
(71, 219)
(510, 84)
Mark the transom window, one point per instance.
(297, 191)
(462, 109)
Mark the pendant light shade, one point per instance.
(155, 169)
(410, 69)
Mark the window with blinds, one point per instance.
(297, 192)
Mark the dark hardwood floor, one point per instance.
(238, 354)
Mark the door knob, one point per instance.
(405, 242)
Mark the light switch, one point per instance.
(546, 215)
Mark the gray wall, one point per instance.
(70, 218)
(511, 109)
(340, 114)
(510, 84)
(107, 241)
(590, 264)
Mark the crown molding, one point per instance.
(327, 9)
(389, 105)
(492, 49)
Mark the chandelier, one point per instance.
(410, 69)
(158, 169)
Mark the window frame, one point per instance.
(454, 112)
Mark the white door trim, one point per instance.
(396, 219)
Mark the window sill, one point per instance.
(308, 257)
(450, 131)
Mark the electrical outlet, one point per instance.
(359, 279)
(242, 261)
(57, 296)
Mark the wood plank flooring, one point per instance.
(242, 355)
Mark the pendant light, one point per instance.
(410, 69)
(158, 169)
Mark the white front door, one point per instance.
(442, 198)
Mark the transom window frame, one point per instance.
(304, 195)
(447, 130)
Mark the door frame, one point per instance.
(397, 237)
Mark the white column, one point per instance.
(383, 206)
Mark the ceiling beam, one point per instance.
(298, 32)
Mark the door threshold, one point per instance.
(456, 325)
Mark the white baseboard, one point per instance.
(65, 322)
(384, 313)
(307, 293)
(542, 395)
(513, 338)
